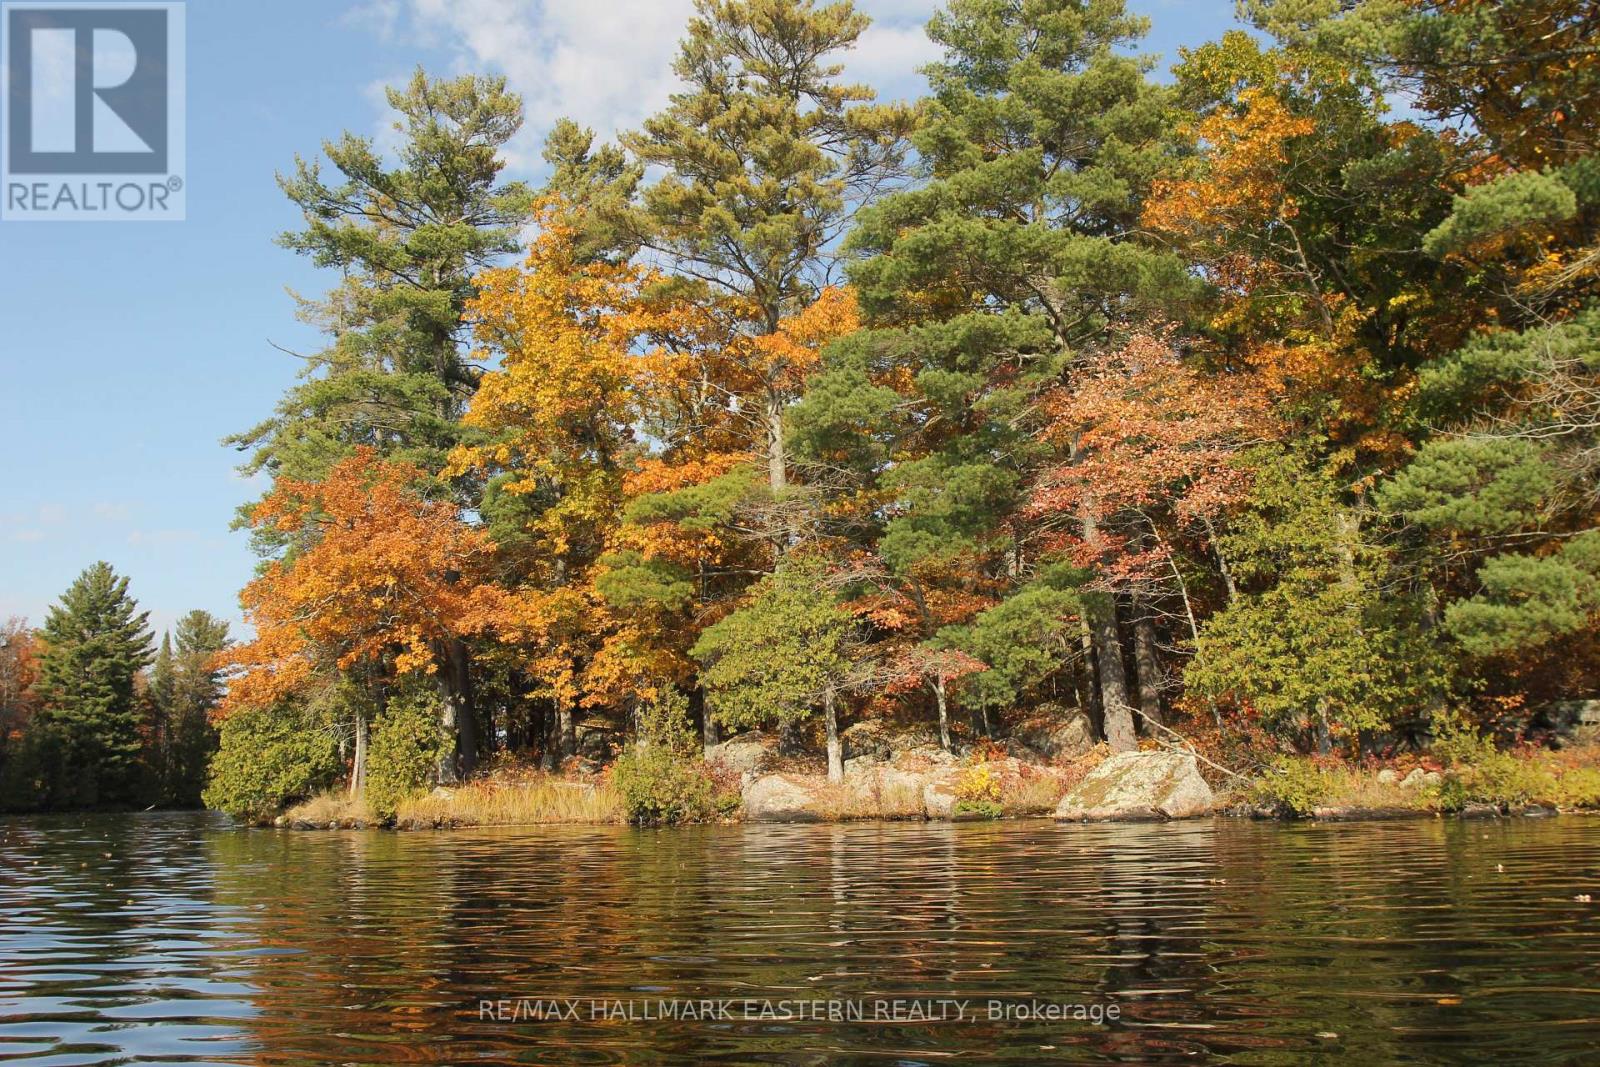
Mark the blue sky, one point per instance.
(127, 351)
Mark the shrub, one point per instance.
(28, 773)
(407, 743)
(659, 787)
(978, 793)
(271, 757)
(1479, 773)
(1032, 793)
(1576, 787)
(662, 780)
(1292, 786)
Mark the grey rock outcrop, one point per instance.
(1133, 786)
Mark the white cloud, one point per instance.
(607, 64)
(888, 58)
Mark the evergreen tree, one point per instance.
(791, 650)
(765, 152)
(1505, 512)
(96, 641)
(593, 186)
(409, 240)
(1524, 73)
(1323, 642)
(986, 282)
(185, 687)
(158, 701)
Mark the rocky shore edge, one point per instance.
(926, 783)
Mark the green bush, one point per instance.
(1576, 787)
(271, 757)
(662, 780)
(660, 787)
(1292, 786)
(28, 774)
(1476, 772)
(407, 743)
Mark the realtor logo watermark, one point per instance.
(94, 112)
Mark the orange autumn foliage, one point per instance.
(1241, 189)
(1150, 431)
(387, 575)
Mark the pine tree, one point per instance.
(765, 152)
(185, 687)
(986, 282)
(791, 650)
(96, 641)
(409, 240)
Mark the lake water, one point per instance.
(178, 938)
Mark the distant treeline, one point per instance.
(93, 715)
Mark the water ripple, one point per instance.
(178, 939)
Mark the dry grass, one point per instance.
(869, 799)
(523, 800)
(337, 808)
(1032, 794)
(1361, 789)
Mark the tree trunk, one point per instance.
(944, 714)
(1091, 701)
(1148, 665)
(549, 736)
(1222, 562)
(467, 712)
(1322, 736)
(785, 534)
(1113, 677)
(456, 715)
(567, 730)
(777, 463)
(450, 722)
(708, 732)
(1102, 609)
(835, 745)
(358, 765)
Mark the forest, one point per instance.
(1252, 406)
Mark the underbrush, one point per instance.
(1463, 770)
(1032, 793)
(1298, 787)
(845, 801)
(978, 793)
(657, 786)
(337, 808)
(525, 799)
(662, 780)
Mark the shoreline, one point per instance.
(746, 782)
(1344, 816)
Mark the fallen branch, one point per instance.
(1188, 746)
